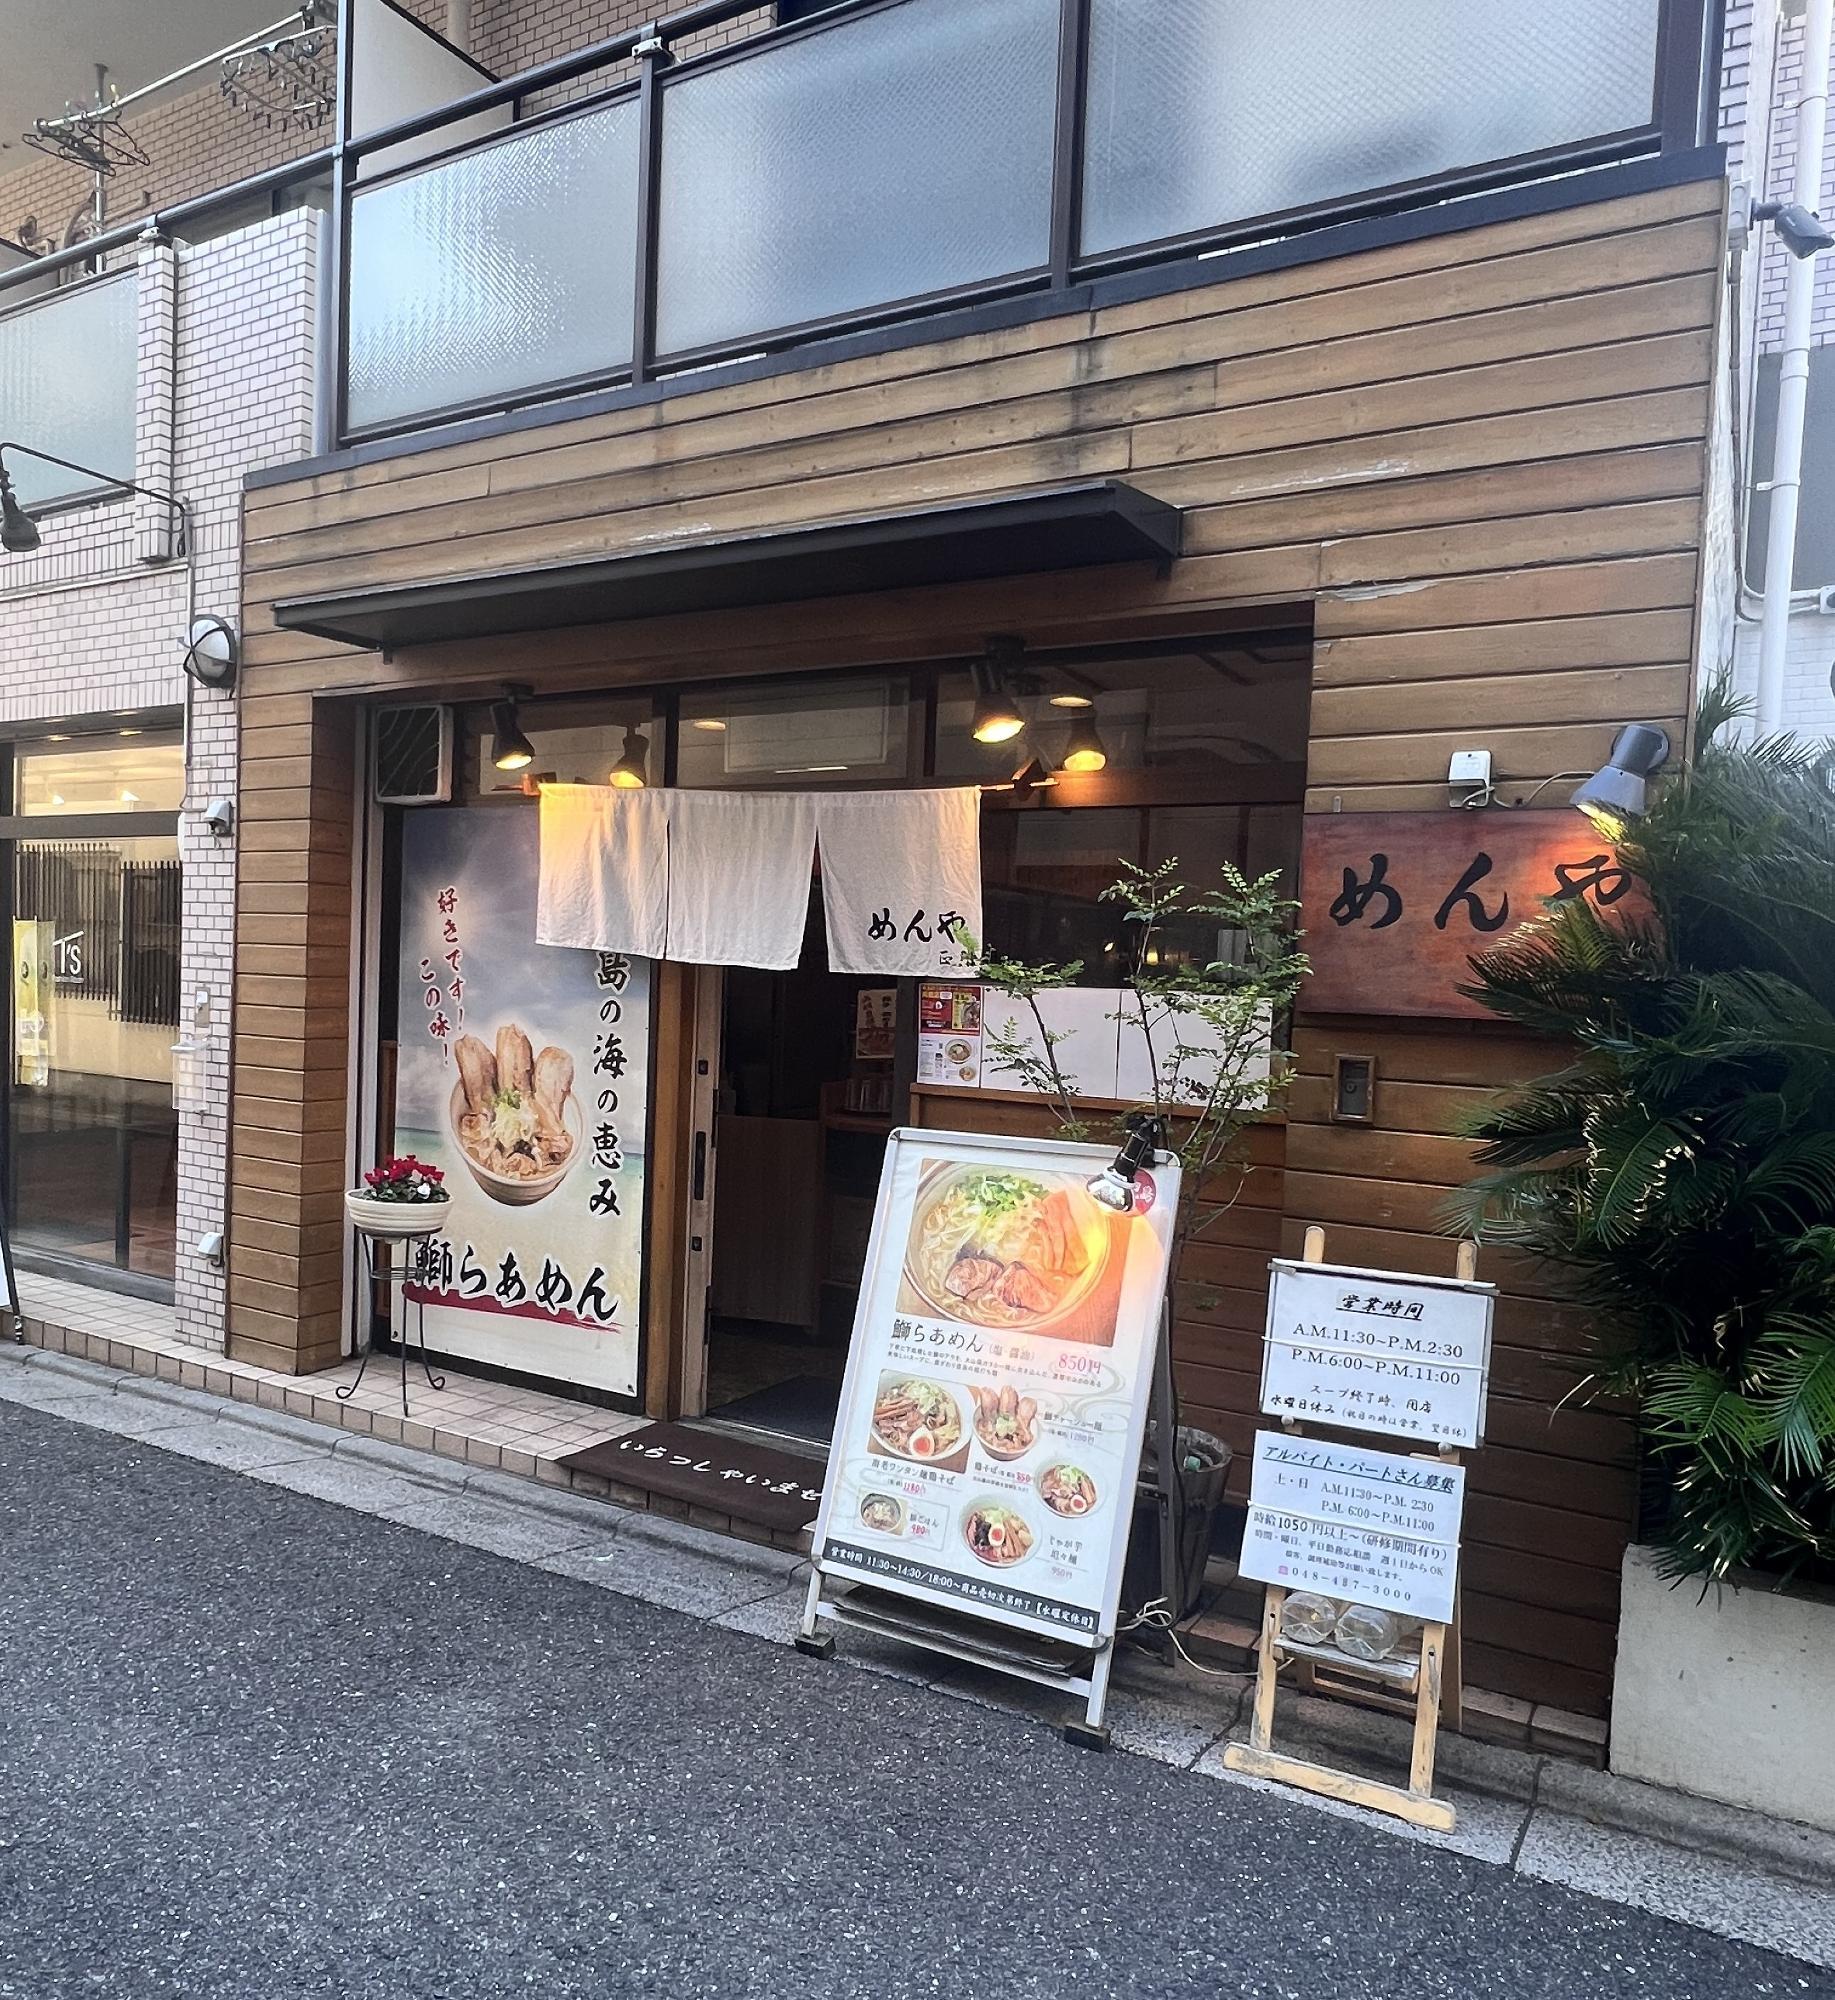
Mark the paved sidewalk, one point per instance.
(1524, 1821)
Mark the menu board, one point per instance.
(949, 1033)
(1375, 1351)
(1369, 1526)
(990, 1426)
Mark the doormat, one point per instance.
(751, 1482)
(803, 1407)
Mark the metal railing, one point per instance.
(896, 157)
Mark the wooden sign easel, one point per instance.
(1421, 1686)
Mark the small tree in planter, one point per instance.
(1207, 1024)
(396, 1197)
(1681, 1169)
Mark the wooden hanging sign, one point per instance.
(1395, 905)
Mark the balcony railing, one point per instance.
(901, 156)
(69, 379)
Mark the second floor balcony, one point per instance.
(888, 160)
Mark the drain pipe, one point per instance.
(1793, 378)
(458, 24)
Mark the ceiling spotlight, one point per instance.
(1619, 790)
(713, 722)
(1084, 751)
(512, 750)
(997, 716)
(1070, 701)
(18, 531)
(1801, 230)
(632, 771)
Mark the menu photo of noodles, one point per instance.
(920, 1422)
(988, 1442)
(1014, 1252)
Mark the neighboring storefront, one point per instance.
(92, 880)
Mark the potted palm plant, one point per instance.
(402, 1197)
(1681, 1171)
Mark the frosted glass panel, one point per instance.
(68, 379)
(904, 153)
(495, 273)
(1208, 112)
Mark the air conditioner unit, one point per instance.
(411, 764)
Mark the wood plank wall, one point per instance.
(1476, 461)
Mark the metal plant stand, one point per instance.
(419, 1272)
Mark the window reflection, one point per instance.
(93, 1152)
(797, 735)
(575, 743)
(1215, 709)
(128, 770)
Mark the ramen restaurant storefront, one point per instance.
(662, 1173)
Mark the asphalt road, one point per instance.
(254, 1745)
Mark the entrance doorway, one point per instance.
(801, 1108)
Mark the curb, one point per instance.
(1542, 1784)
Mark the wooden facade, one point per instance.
(1473, 460)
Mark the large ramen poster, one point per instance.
(523, 1074)
(990, 1426)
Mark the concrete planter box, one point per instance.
(1727, 1696)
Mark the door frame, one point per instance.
(706, 1012)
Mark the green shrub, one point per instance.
(1681, 1169)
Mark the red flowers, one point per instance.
(404, 1178)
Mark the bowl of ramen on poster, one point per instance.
(1012, 1250)
(514, 1115)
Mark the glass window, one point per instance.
(575, 743)
(69, 377)
(798, 735)
(1202, 113)
(895, 154)
(129, 770)
(93, 1152)
(1213, 711)
(1196, 755)
(499, 271)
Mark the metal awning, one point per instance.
(1052, 528)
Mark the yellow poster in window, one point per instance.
(31, 991)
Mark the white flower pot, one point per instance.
(392, 1221)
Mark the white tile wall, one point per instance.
(88, 625)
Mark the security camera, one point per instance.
(210, 652)
(1801, 230)
(220, 816)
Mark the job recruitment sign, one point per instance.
(523, 1074)
(1369, 1526)
(990, 1427)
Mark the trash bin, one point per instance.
(1204, 1465)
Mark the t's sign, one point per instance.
(1396, 904)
